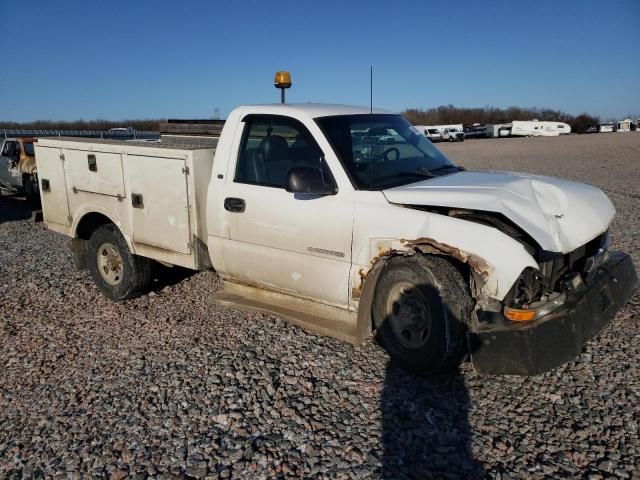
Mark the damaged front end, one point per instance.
(568, 320)
(551, 312)
(548, 313)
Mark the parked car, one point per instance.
(18, 171)
(453, 135)
(511, 270)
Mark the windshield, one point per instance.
(28, 149)
(383, 151)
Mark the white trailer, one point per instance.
(536, 128)
(623, 125)
(498, 130)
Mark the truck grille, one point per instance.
(555, 269)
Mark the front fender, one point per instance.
(382, 229)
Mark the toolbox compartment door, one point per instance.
(159, 202)
(95, 172)
(53, 187)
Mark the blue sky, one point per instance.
(69, 59)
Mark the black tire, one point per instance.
(421, 309)
(31, 189)
(120, 279)
(450, 139)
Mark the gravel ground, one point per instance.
(170, 385)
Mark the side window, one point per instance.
(273, 145)
(10, 148)
(16, 149)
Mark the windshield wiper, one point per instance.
(448, 167)
(420, 173)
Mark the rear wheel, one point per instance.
(117, 273)
(421, 307)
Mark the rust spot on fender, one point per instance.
(429, 245)
(364, 272)
(424, 245)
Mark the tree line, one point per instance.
(442, 115)
(449, 114)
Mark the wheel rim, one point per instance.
(409, 315)
(110, 263)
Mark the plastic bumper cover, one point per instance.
(519, 348)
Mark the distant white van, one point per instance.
(432, 133)
(535, 128)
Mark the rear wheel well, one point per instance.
(80, 245)
(89, 223)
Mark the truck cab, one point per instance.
(18, 172)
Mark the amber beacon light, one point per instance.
(282, 81)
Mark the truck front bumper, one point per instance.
(529, 348)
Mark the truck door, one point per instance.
(9, 176)
(53, 186)
(291, 242)
(160, 200)
(5, 163)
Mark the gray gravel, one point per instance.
(172, 386)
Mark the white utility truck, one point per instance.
(349, 221)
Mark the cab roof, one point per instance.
(313, 110)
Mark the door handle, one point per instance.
(233, 204)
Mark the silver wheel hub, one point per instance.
(110, 263)
(408, 314)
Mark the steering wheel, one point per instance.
(385, 154)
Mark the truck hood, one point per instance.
(558, 214)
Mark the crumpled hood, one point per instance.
(559, 214)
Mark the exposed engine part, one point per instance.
(558, 273)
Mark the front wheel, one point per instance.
(421, 308)
(117, 273)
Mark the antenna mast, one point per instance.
(371, 88)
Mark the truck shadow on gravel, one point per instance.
(425, 421)
(425, 427)
(15, 208)
(162, 276)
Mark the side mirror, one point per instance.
(309, 180)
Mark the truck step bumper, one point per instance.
(519, 348)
